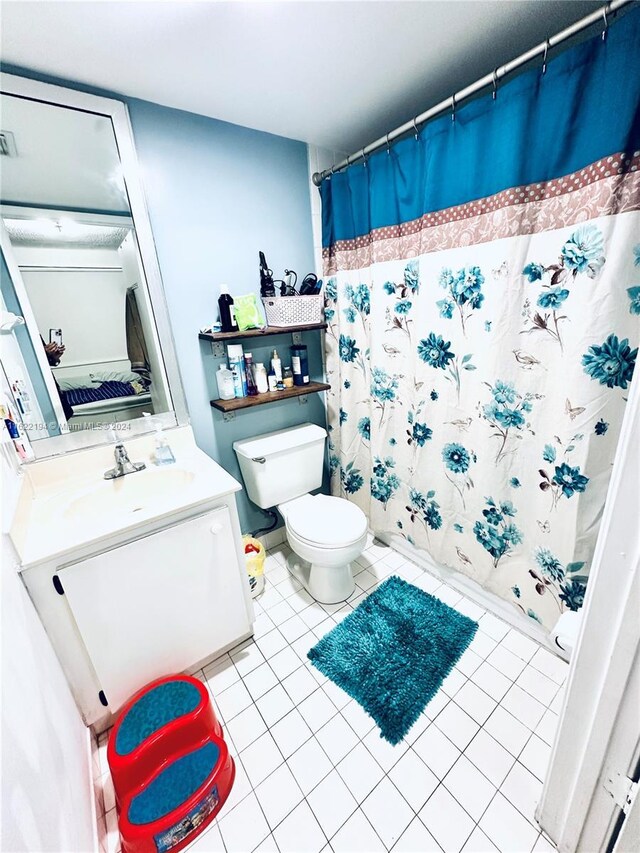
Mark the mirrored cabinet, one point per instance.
(86, 345)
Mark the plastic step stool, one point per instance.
(170, 766)
(178, 802)
(164, 717)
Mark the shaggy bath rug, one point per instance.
(393, 653)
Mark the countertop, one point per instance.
(66, 504)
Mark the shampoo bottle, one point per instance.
(252, 389)
(300, 364)
(227, 311)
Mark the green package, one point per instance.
(248, 314)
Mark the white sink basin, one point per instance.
(132, 493)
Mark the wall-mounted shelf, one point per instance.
(270, 397)
(217, 337)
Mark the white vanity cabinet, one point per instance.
(127, 596)
(159, 604)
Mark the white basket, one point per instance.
(293, 310)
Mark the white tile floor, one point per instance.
(314, 775)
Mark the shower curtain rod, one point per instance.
(488, 80)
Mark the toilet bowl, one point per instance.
(325, 534)
(281, 469)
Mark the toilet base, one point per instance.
(328, 585)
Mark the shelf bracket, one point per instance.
(296, 338)
(228, 416)
(217, 348)
(303, 400)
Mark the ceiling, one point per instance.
(336, 74)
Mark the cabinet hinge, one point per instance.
(622, 789)
(57, 585)
(102, 698)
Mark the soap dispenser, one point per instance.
(162, 454)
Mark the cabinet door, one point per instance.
(158, 605)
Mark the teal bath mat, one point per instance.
(393, 653)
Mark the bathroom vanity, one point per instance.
(141, 575)
(137, 577)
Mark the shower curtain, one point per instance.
(482, 286)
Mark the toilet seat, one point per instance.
(326, 522)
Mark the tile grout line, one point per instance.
(301, 663)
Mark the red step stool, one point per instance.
(170, 766)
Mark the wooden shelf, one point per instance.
(269, 397)
(259, 333)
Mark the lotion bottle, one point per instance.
(276, 364)
(262, 382)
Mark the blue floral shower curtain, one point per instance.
(483, 300)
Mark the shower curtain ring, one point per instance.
(544, 58)
(495, 83)
(364, 158)
(388, 147)
(606, 23)
(415, 127)
(453, 107)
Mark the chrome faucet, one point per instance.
(123, 464)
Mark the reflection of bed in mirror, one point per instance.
(89, 293)
(110, 392)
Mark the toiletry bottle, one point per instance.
(273, 379)
(227, 312)
(252, 389)
(287, 377)
(262, 383)
(235, 355)
(300, 364)
(277, 365)
(224, 378)
(162, 454)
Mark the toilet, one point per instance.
(326, 534)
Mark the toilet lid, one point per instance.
(328, 522)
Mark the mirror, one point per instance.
(87, 355)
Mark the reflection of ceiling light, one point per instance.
(42, 225)
(64, 231)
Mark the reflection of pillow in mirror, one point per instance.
(114, 376)
(70, 383)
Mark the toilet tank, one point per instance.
(279, 466)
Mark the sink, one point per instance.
(130, 494)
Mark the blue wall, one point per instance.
(217, 193)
